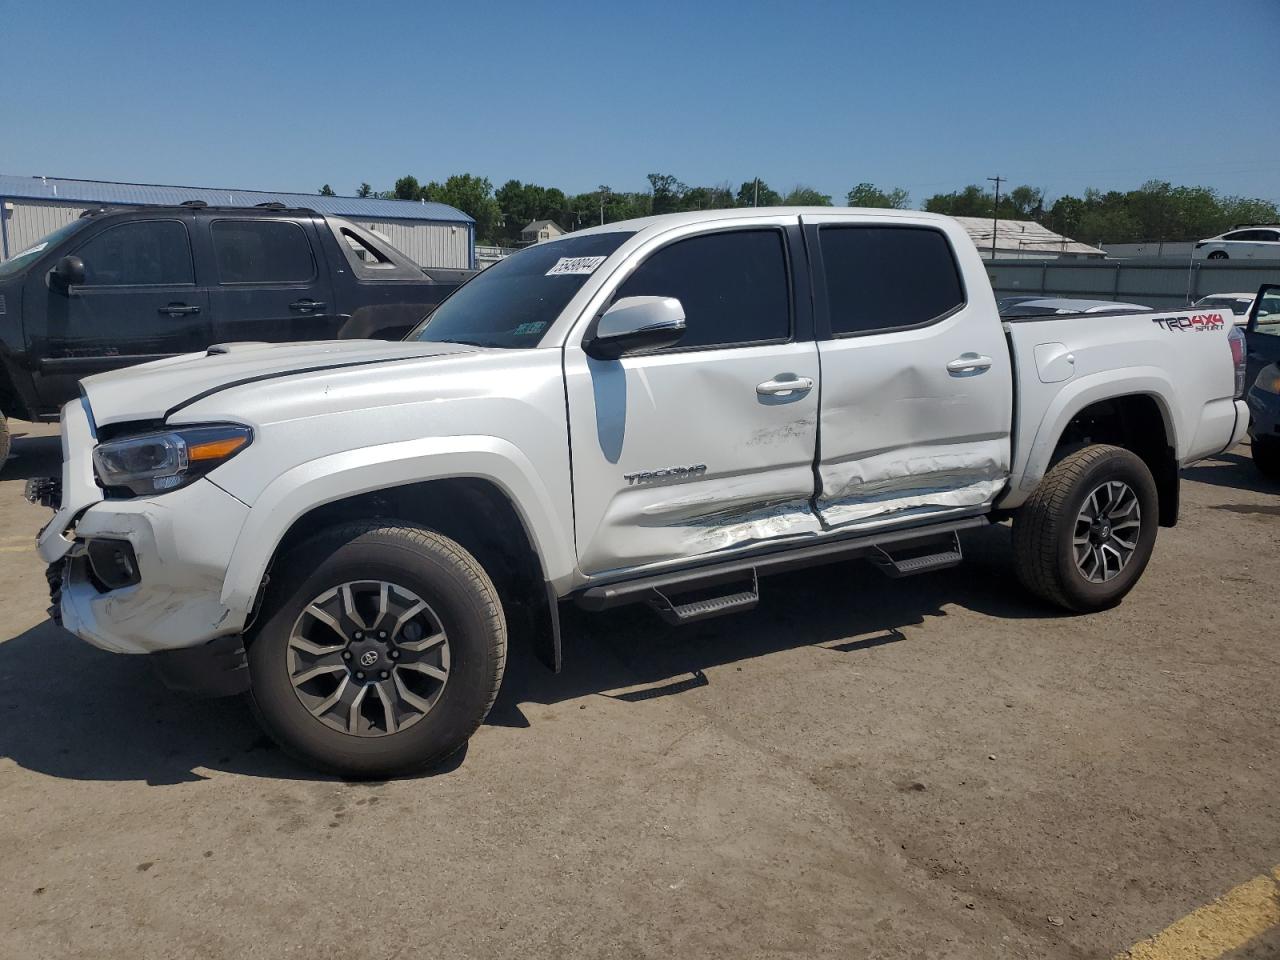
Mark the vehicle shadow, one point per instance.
(847, 607)
(108, 718)
(1231, 469)
(32, 457)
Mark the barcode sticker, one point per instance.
(566, 266)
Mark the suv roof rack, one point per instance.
(196, 204)
(271, 205)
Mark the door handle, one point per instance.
(178, 309)
(969, 363)
(306, 306)
(781, 388)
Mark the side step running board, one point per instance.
(949, 556)
(677, 614)
(901, 551)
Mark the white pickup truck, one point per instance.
(657, 411)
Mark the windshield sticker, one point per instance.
(575, 266)
(530, 328)
(36, 249)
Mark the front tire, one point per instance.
(381, 650)
(1218, 255)
(1266, 457)
(1085, 536)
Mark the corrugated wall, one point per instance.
(30, 220)
(1155, 284)
(427, 244)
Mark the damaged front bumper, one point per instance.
(142, 575)
(146, 575)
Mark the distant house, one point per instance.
(541, 230)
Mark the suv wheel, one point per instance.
(1085, 536)
(380, 652)
(1266, 457)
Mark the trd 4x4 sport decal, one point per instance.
(1200, 321)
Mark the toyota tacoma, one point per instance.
(662, 411)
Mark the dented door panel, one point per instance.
(915, 420)
(676, 456)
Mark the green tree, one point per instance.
(869, 195)
(407, 188)
(522, 203)
(802, 196)
(327, 191)
(666, 191)
(707, 198)
(364, 191)
(757, 193)
(471, 194)
(972, 201)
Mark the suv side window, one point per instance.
(148, 253)
(262, 251)
(885, 277)
(733, 287)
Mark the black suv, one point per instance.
(125, 285)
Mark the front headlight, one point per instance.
(156, 462)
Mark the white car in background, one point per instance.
(1238, 303)
(1254, 243)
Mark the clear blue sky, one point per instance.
(925, 95)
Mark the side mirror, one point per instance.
(634, 324)
(68, 272)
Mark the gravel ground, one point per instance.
(934, 767)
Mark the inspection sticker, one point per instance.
(567, 266)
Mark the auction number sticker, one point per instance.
(570, 266)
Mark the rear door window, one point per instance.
(262, 252)
(733, 286)
(141, 253)
(879, 278)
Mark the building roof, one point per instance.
(101, 191)
(539, 224)
(1023, 236)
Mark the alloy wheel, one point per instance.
(368, 658)
(1107, 531)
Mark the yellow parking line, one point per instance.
(1217, 928)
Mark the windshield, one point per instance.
(23, 260)
(512, 303)
(1236, 305)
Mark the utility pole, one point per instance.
(604, 193)
(755, 194)
(995, 216)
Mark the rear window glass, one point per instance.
(879, 278)
(262, 251)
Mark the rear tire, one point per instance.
(412, 607)
(1218, 255)
(1266, 457)
(1076, 541)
